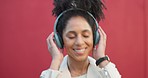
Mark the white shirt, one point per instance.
(82, 76)
(109, 71)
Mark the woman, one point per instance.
(77, 31)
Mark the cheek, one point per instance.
(67, 42)
(89, 41)
(90, 44)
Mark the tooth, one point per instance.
(80, 50)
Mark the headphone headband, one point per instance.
(59, 16)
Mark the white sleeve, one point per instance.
(50, 74)
(111, 71)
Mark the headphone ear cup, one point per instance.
(97, 38)
(58, 40)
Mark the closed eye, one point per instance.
(71, 37)
(86, 36)
(71, 34)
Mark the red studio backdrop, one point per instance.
(25, 25)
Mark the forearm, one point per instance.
(55, 64)
(53, 71)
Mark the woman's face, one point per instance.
(78, 38)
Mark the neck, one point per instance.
(77, 68)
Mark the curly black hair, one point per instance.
(95, 7)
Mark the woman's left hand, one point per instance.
(99, 49)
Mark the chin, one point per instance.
(81, 58)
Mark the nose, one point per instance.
(79, 41)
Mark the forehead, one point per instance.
(77, 23)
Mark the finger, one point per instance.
(48, 41)
(102, 31)
(95, 48)
(51, 39)
(61, 50)
(101, 34)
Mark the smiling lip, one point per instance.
(79, 51)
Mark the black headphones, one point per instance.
(57, 37)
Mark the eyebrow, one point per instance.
(86, 31)
(73, 32)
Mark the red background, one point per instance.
(25, 25)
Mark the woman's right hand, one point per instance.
(55, 52)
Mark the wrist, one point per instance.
(103, 63)
(102, 60)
